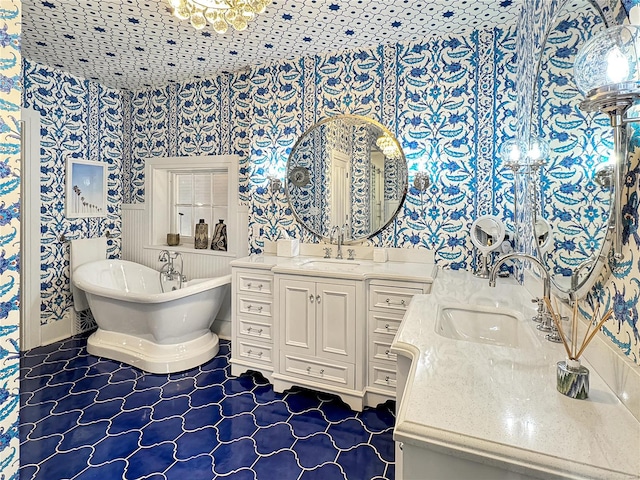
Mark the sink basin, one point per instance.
(475, 323)
(330, 264)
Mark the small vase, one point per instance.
(173, 239)
(202, 235)
(573, 379)
(219, 241)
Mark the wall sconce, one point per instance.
(275, 184)
(421, 181)
(607, 74)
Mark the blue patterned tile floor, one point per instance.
(84, 417)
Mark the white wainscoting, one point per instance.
(197, 263)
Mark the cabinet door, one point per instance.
(298, 316)
(336, 310)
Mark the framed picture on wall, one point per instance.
(86, 189)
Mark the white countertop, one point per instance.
(499, 405)
(345, 269)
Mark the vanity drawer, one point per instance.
(384, 323)
(386, 297)
(254, 351)
(382, 377)
(254, 329)
(320, 371)
(380, 349)
(255, 306)
(249, 282)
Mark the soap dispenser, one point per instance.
(202, 235)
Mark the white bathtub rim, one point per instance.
(200, 285)
(152, 357)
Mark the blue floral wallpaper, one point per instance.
(10, 89)
(619, 286)
(572, 199)
(80, 119)
(449, 100)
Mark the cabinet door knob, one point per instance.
(260, 287)
(322, 372)
(308, 369)
(318, 298)
(386, 379)
(248, 329)
(387, 352)
(311, 298)
(386, 326)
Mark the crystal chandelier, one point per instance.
(219, 13)
(388, 146)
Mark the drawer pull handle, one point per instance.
(318, 298)
(250, 353)
(386, 326)
(386, 379)
(308, 369)
(322, 372)
(311, 298)
(259, 308)
(387, 352)
(389, 302)
(251, 328)
(259, 287)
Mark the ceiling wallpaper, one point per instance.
(133, 44)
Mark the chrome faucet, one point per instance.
(338, 233)
(543, 316)
(168, 272)
(575, 276)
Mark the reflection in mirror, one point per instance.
(574, 198)
(346, 171)
(487, 234)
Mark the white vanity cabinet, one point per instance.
(387, 303)
(319, 320)
(324, 325)
(252, 326)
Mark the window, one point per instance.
(198, 195)
(196, 187)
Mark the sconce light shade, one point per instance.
(511, 151)
(609, 59)
(539, 149)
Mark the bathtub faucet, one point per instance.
(168, 271)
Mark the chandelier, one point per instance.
(388, 146)
(219, 13)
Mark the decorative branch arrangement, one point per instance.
(571, 346)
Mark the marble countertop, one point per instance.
(345, 269)
(499, 405)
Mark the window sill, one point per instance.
(189, 249)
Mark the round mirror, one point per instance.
(346, 171)
(487, 233)
(574, 198)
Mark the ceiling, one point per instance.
(133, 44)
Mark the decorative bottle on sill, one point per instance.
(201, 237)
(219, 241)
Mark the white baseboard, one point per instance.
(59, 330)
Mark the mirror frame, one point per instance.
(584, 286)
(402, 176)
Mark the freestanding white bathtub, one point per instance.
(139, 325)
